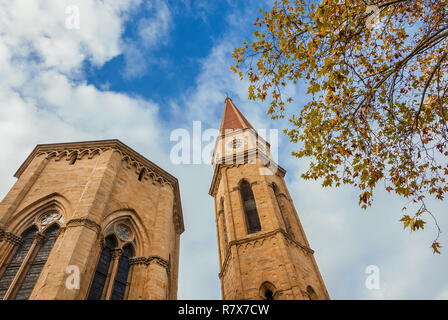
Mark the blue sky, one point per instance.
(138, 70)
(168, 68)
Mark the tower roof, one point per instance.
(232, 118)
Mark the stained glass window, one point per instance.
(48, 218)
(36, 266)
(111, 276)
(100, 277)
(13, 267)
(121, 278)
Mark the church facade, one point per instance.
(98, 221)
(98, 211)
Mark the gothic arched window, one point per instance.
(36, 266)
(267, 291)
(100, 277)
(110, 281)
(23, 270)
(311, 293)
(250, 208)
(14, 265)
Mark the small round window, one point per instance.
(48, 218)
(123, 232)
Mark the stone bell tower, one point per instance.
(263, 250)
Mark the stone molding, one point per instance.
(262, 237)
(151, 259)
(10, 238)
(84, 222)
(40, 238)
(116, 254)
(131, 159)
(242, 160)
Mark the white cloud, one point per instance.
(43, 93)
(153, 33)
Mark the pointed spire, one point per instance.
(232, 118)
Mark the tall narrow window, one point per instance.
(99, 280)
(13, 267)
(37, 264)
(111, 278)
(121, 279)
(23, 270)
(250, 208)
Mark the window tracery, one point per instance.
(22, 271)
(111, 278)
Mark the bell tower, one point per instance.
(262, 247)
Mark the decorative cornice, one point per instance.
(151, 259)
(138, 260)
(10, 237)
(160, 261)
(252, 240)
(239, 160)
(131, 158)
(84, 222)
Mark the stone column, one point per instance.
(138, 269)
(158, 279)
(116, 256)
(156, 286)
(10, 242)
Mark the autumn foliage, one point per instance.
(376, 73)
